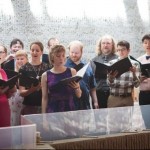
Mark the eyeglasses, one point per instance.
(1, 52)
(121, 50)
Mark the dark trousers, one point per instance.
(102, 97)
(144, 101)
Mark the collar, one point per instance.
(147, 57)
(70, 62)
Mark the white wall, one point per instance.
(69, 20)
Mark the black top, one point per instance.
(35, 98)
(9, 65)
(102, 83)
(45, 59)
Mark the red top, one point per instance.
(4, 105)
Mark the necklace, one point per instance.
(37, 70)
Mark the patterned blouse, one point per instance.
(35, 98)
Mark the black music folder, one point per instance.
(9, 65)
(79, 66)
(28, 81)
(75, 78)
(10, 82)
(24, 80)
(2, 64)
(121, 66)
(145, 69)
(11, 73)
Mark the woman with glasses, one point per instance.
(3, 54)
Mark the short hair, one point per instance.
(98, 45)
(55, 50)
(55, 39)
(124, 43)
(146, 37)
(21, 53)
(39, 44)
(15, 41)
(76, 43)
(5, 49)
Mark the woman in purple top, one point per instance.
(58, 98)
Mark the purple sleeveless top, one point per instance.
(60, 99)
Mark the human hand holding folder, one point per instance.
(112, 75)
(120, 66)
(145, 68)
(29, 82)
(9, 83)
(75, 78)
(25, 80)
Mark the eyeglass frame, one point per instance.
(2, 52)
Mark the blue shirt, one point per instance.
(87, 83)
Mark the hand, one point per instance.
(132, 69)
(142, 78)
(96, 106)
(112, 75)
(11, 91)
(3, 89)
(35, 88)
(10, 57)
(39, 86)
(74, 85)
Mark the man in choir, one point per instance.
(88, 83)
(105, 53)
(144, 93)
(121, 87)
(15, 45)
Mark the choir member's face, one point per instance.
(146, 46)
(106, 46)
(3, 54)
(75, 53)
(59, 58)
(35, 52)
(52, 42)
(16, 47)
(122, 51)
(21, 60)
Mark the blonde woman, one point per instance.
(15, 102)
(21, 58)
